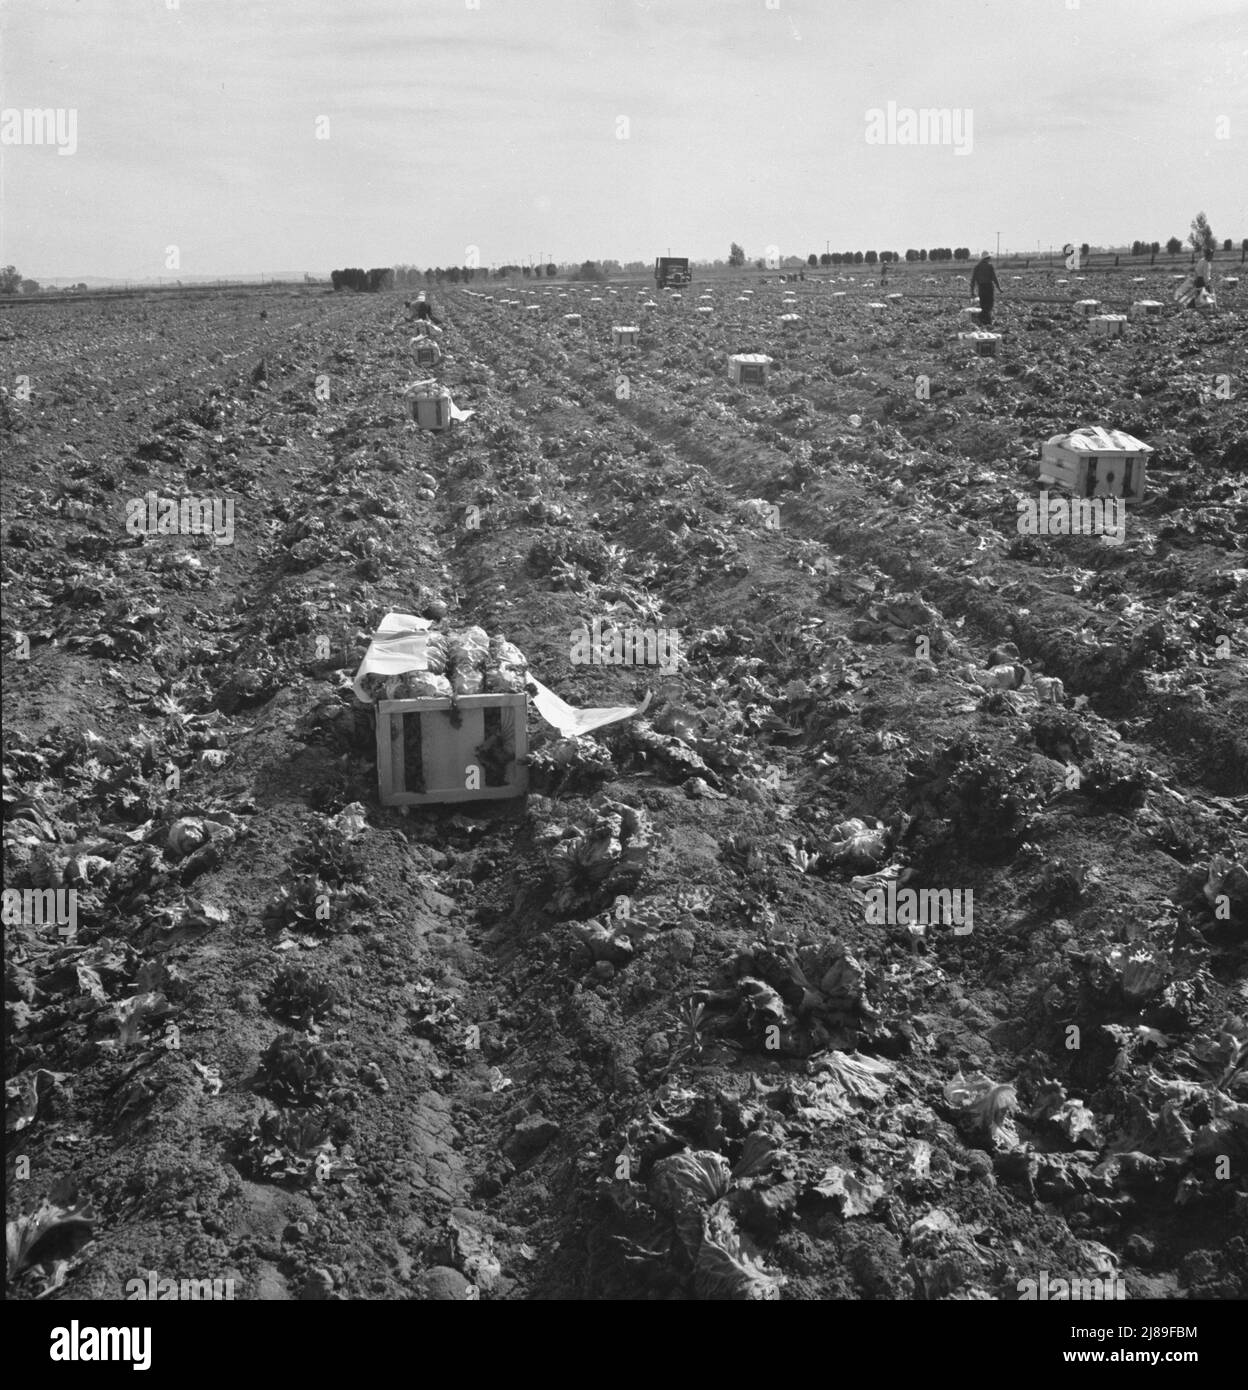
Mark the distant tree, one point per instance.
(962, 253)
(10, 279)
(758, 265)
(590, 270)
(453, 275)
(551, 270)
(1228, 245)
(429, 276)
(736, 256)
(30, 286)
(871, 258)
(825, 259)
(1085, 250)
(1135, 248)
(923, 253)
(1243, 249)
(1201, 238)
(812, 260)
(858, 257)
(911, 255)
(1173, 246)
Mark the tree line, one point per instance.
(380, 278)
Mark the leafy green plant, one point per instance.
(292, 1148)
(298, 1071)
(298, 997)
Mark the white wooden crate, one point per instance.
(1108, 325)
(749, 368)
(1096, 462)
(424, 759)
(982, 343)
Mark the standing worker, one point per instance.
(984, 281)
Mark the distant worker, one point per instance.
(984, 281)
(423, 309)
(1196, 291)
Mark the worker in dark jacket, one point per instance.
(424, 310)
(984, 281)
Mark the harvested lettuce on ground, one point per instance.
(728, 1266)
(697, 1177)
(847, 1081)
(49, 1236)
(854, 1196)
(986, 1106)
(858, 845)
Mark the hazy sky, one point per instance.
(574, 129)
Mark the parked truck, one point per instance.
(671, 271)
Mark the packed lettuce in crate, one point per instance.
(464, 661)
(418, 685)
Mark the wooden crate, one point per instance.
(431, 408)
(1096, 463)
(981, 342)
(749, 368)
(1108, 325)
(423, 759)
